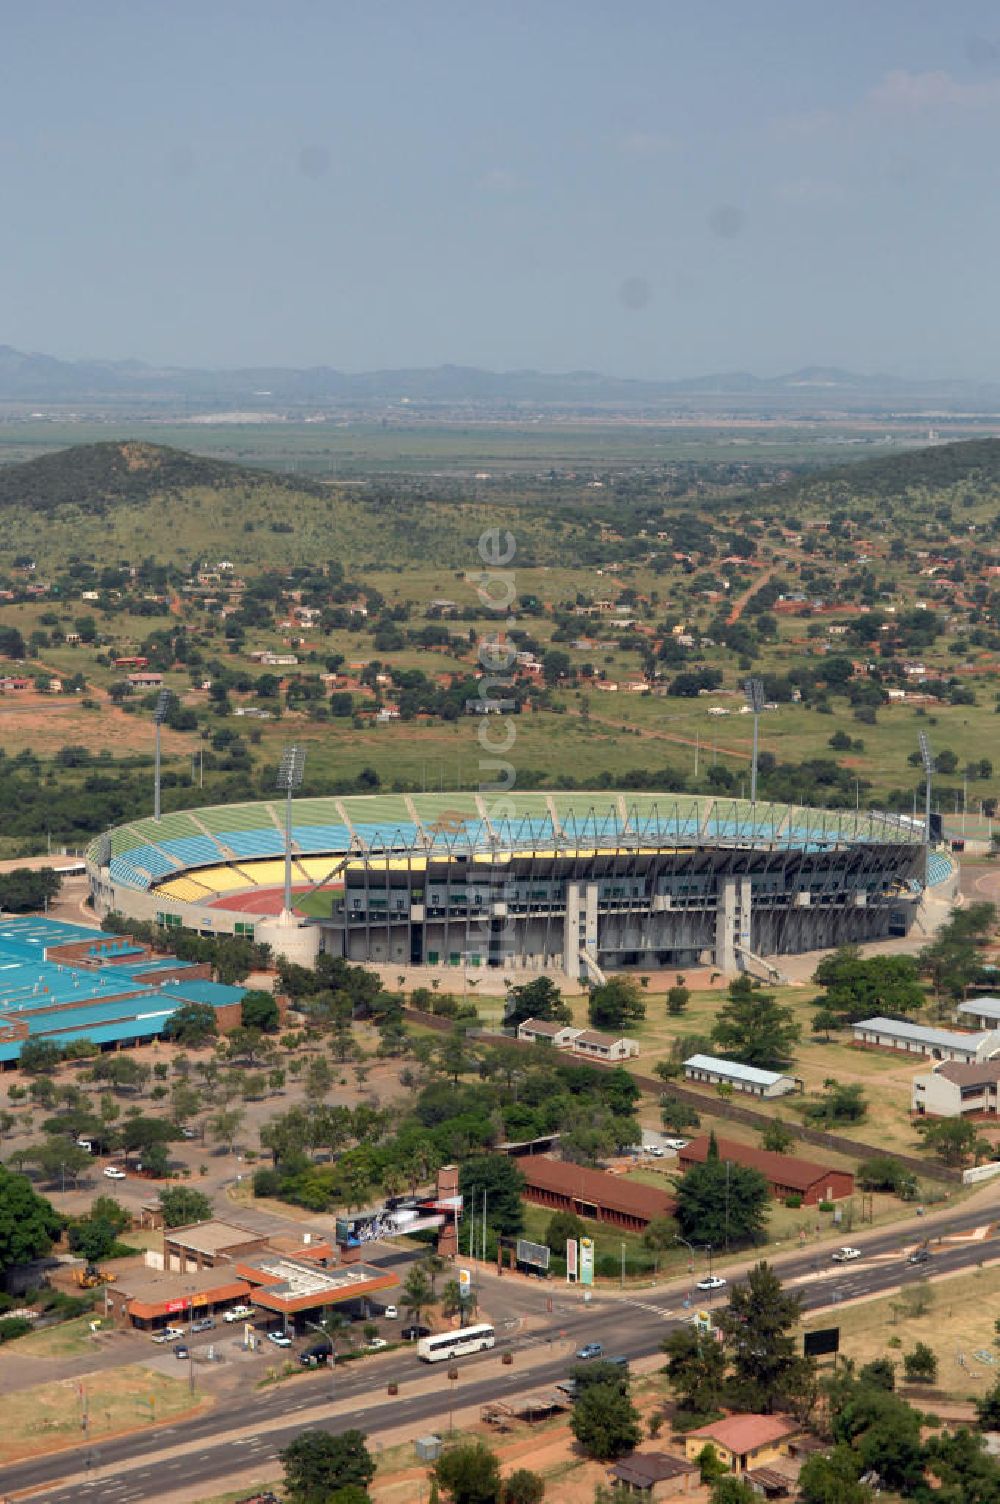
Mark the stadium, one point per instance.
(582, 883)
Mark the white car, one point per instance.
(376, 1344)
(711, 1282)
(391, 1313)
(676, 1143)
(169, 1334)
(845, 1255)
(238, 1313)
(279, 1339)
(114, 1172)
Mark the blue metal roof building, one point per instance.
(101, 1000)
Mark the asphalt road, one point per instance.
(632, 1327)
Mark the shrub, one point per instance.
(793, 1202)
(14, 1326)
(824, 1206)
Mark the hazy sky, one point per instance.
(646, 187)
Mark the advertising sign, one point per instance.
(173, 1306)
(535, 1254)
(586, 1261)
(825, 1340)
(571, 1264)
(465, 1283)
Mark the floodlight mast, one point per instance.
(291, 771)
(927, 759)
(160, 713)
(754, 691)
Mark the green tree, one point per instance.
(523, 1487)
(540, 999)
(678, 998)
(756, 1326)
(562, 1225)
(316, 1464)
(777, 1136)
(28, 1223)
(856, 987)
(225, 1126)
(92, 1238)
(987, 1408)
(453, 1056)
(605, 1422)
(880, 1373)
(952, 1140)
(417, 1292)
(616, 1004)
(58, 1158)
(469, 1474)
(921, 1365)
(754, 1027)
(192, 1024)
(39, 1057)
(721, 1204)
(842, 1102)
(498, 1179)
(696, 1369)
(676, 1115)
(181, 1205)
(259, 1011)
(107, 1209)
(728, 1489)
(833, 1478)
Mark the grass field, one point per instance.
(48, 1416)
(959, 1319)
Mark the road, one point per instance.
(631, 1326)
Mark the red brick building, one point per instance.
(786, 1174)
(593, 1193)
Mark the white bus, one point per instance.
(470, 1339)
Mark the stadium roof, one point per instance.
(147, 851)
(752, 1074)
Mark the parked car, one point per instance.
(655, 1151)
(845, 1255)
(169, 1334)
(317, 1354)
(115, 1172)
(376, 1344)
(391, 1313)
(711, 1282)
(589, 1350)
(203, 1324)
(280, 1339)
(237, 1313)
(190, 1133)
(919, 1256)
(181, 1351)
(414, 1332)
(676, 1143)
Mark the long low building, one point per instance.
(593, 1193)
(955, 1089)
(786, 1174)
(979, 1013)
(713, 1070)
(920, 1039)
(589, 1042)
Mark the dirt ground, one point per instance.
(47, 722)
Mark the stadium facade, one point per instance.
(582, 883)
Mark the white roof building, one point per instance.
(748, 1078)
(919, 1039)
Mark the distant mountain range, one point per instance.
(27, 378)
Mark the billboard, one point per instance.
(571, 1252)
(825, 1340)
(535, 1254)
(465, 1283)
(586, 1261)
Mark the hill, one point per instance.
(91, 477)
(970, 469)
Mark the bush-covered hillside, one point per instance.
(93, 476)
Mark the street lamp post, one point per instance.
(754, 691)
(159, 716)
(927, 759)
(291, 771)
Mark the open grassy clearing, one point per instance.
(959, 1320)
(47, 1416)
(69, 1339)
